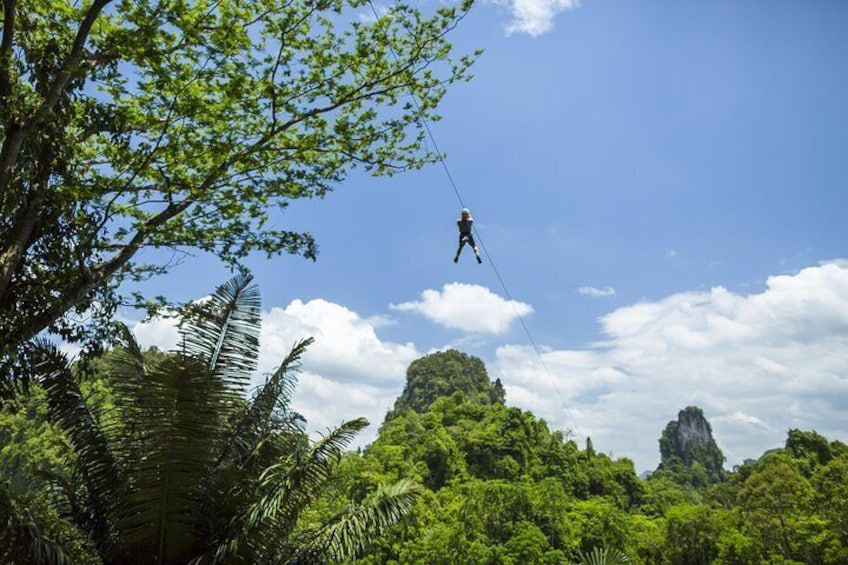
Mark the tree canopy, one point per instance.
(185, 125)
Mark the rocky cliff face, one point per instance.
(689, 451)
(690, 432)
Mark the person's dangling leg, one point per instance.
(473, 245)
(459, 249)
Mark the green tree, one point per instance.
(830, 488)
(809, 449)
(646, 540)
(661, 493)
(596, 523)
(692, 533)
(30, 451)
(776, 501)
(185, 125)
(179, 468)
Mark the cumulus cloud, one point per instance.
(467, 307)
(596, 292)
(347, 373)
(346, 346)
(757, 365)
(162, 333)
(536, 17)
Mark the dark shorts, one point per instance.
(466, 238)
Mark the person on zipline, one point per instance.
(464, 224)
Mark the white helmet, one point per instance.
(465, 211)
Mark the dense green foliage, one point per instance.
(499, 487)
(502, 488)
(130, 124)
(162, 459)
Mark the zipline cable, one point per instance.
(488, 255)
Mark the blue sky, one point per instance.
(662, 186)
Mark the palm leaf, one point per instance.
(162, 510)
(94, 458)
(603, 556)
(224, 331)
(14, 376)
(126, 378)
(350, 533)
(275, 394)
(285, 490)
(277, 391)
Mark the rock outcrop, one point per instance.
(689, 451)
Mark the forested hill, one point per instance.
(503, 488)
(443, 374)
(455, 477)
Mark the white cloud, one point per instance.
(536, 17)
(757, 365)
(159, 332)
(346, 347)
(347, 373)
(596, 292)
(467, 307)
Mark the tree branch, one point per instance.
(99, 274)
(21, 233)
(6, 53)
(15, 135)
(73, 59)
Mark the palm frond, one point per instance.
(16, 370)
(21, 536)
(279, 387)
(292, 484)
(224, 331)
(126, 378)
(182, 421)
(94, 459)
(286, 489)
(349, 534)
(603, 556)
(275, 394)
